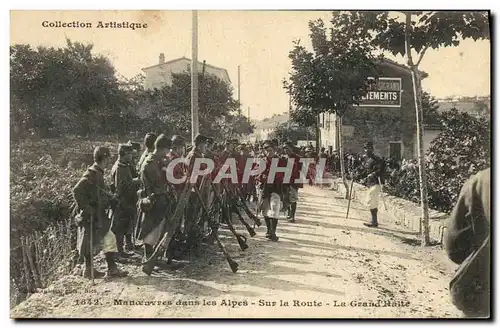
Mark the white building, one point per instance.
(160, 74)
(265, 127)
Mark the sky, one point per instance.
(258, 41)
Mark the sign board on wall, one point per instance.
(386, 92)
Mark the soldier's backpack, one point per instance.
(470, 286)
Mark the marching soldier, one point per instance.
(294, 185)
(272, 192)
(126, 187)
(149, 144)
(370, 175)
(93, 223)
(155, 189)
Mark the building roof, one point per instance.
(185, 58)
(423, 74)
(271, 122)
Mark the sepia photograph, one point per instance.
(250, 164)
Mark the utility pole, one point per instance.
(289, 110)
(194, 78)
(239, 89)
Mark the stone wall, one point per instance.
(401, 211)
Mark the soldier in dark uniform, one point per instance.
(370, 174)
(293, 196)
(179, 170)
(467, 230)
(93, 199)
(149, 144)
(202, 184)
(154, 183)
(272, 192)
(126, 187)
(136, 148)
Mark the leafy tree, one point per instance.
(218, 111)
(64, 90)
(292, 132)
(430, 109)
(334, 75)
(304, 117)
(459, 151)
(415, 32)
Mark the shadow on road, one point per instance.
(257, 269)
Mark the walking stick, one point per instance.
(92, 250)
(350, 196)
(382, 193)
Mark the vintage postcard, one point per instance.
(250, 164)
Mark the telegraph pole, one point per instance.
(289, 110)
(194, 78)
(239, 84)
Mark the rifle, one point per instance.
(243, 205)
(230, 261)
(164, 243)
(350, 196)
(233, 205)
(227, 215)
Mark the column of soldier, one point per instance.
(143, 209)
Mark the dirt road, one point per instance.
(323, 266)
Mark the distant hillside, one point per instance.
(471, 105)
(271, 122)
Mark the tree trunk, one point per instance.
(338, 122)
(317, 133)
(417, 96)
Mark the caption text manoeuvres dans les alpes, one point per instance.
(99, 24)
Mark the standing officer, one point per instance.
(293, 196)
(149, 144)
(370, 173)
(126, 187)
(272, 192)
(93, 200)
(155, 188)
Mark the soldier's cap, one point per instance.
(162, 142)
(135, 145)
(178, 140)
(200, 138)
(150, 136)
(267, 144)
(125, 148)
(101, 152)
(368, 144)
